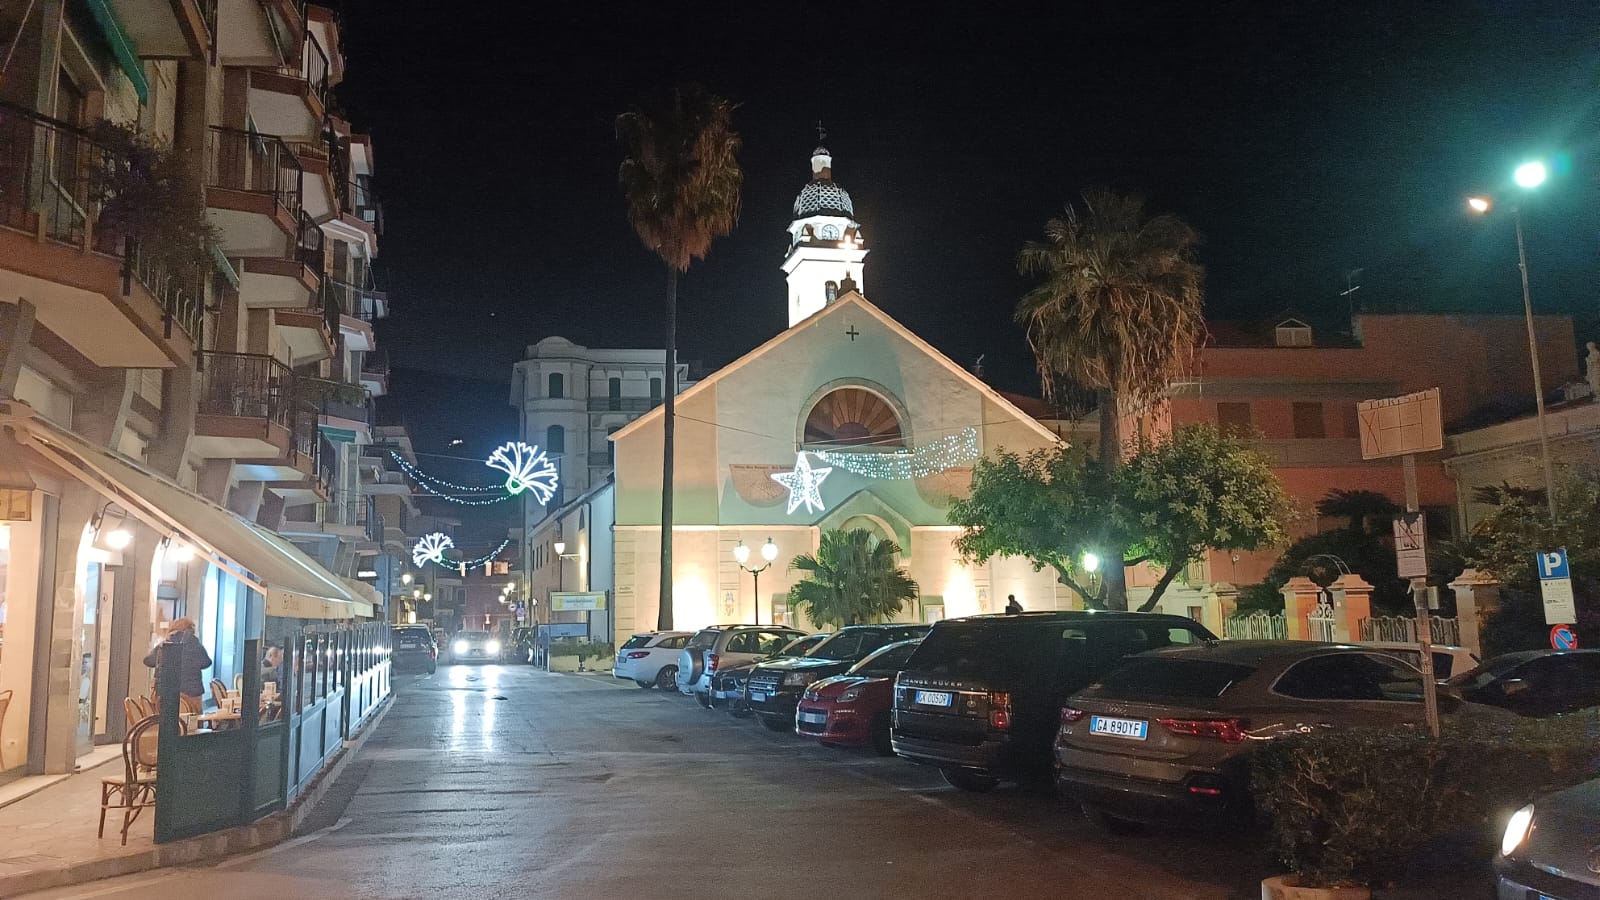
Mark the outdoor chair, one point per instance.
(134, 790)
(188, 704)
(131, 713)
(219, 692)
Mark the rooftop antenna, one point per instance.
(1350, 288)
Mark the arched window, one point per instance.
(558, 386)
(555, 440)
(853, 417)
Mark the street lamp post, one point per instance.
(741, 555)
(1529, 176)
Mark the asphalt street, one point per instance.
(488, 782)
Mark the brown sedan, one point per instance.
(1165, 736)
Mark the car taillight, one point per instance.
(1229, 731)
(1071, 714)
(1000, 710)
(711, 662)
(638, 654)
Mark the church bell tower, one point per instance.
(825, 245)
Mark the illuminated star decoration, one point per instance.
(804, 484)
(527, 468)
(431, 549)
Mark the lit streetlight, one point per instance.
(405, 578)
(1091, 563)
(1529, 175)
(741, 555)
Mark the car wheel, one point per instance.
(667, 678)
(703, 699)
(880, 735)
(647, 685)
(774, 723)
(969, 781)
(1111, 824)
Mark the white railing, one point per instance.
(1256, 626)
(1320, 623)
(1403, 629)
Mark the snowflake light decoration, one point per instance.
(431, 549)
(527, 468)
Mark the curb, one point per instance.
(270, 830)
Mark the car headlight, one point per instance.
(1517, 830)
(796, 679)
(849, 695)
(493, 647)
(460, 646)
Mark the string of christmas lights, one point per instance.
(929, 459)
(473, 563)
(423, 480)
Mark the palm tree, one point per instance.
(853, 577)
(1117, 312)
(1357, 508)
(680, 174)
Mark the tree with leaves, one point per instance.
(1117, 311)
(853, 577)
(681, 177)
(1363, 546)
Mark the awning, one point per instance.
(293, 583)
(121, 47)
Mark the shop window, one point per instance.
(1308, 421)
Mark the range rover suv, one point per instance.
(981, 698)
(774, 688)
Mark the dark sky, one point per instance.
(1302, 139)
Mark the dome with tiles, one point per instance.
(822, 196)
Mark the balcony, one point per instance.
(92, 287)
(264, 33)
(375, 374)
(359, 308)
(623, 404)
(309, 332)
(291, 280)
(247, 411)
(168, 29)
(337, 400)
(253, 187)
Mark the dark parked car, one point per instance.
(854, 708)
(727, 683)
(982, 696)
(1549, 852)
(774, 689)
(414, 648)
(1535, 682)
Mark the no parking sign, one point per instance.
(1562, 637)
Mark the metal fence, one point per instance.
(239, 160)
(1403, 629)
(246, 385)
(1320, 623)
(1256, 626)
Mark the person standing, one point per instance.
(182, 649)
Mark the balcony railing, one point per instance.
(365, 304)
(316, 68)
(247, 386)
(336, 398)
(376, 363)
(208, 14)
(254, 163)
(623, 404)
(54, 180)
(308, 245)
(364, 202)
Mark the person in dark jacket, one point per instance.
(184, 650)
(1012, 606)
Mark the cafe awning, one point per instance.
(293, 583)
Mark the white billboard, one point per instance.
(1396, 426)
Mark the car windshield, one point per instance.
(885, 660)
(983, 650)
(413, 634)
(638, 640)
(476, 637)
(703, 640)
(801, 646)
(848, 645)
(1187, 679)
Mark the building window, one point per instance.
(614, 392)
(655, 392)
(1233, 418)
(558, 386)
(555, 440)
(854, 416)
(611, 446)
(1293, 333)
(1308, 421)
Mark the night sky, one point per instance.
(1303, 140)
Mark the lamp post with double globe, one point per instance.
(741, 554)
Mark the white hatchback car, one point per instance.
(651, 658)
(1447, 660)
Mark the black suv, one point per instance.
(774, 688)
(981, 698)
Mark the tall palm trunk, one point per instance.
(1116, 575)
(668, 427)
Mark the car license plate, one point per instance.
(409, 645)
(933, 698)
(757, 697)
(1132, 729)
(814, 718)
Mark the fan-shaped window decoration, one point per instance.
(853, 417)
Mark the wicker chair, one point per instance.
(219, 693)
(134, 790)
(188, 704)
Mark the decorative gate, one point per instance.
(1320, 625)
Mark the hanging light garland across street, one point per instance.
(929, 459)
(527, 468)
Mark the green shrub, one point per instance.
(581, 649)
(1354, 806)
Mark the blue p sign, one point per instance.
(1552, 563)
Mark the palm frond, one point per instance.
(853, 577)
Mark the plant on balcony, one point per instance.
(145, 192)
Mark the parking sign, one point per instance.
(1553, 564)
(1555, 587)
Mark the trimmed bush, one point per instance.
(1353, 807)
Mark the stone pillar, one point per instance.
(1352, 602)
(1477, 598)
(139, 562)
(1227, 602)
(77, 507)
(179, 397)
(1300, 597)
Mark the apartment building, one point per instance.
(187, 309)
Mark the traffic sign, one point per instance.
(1411, 545)
(1555, 586)
(1562, 637)
(1553, 563)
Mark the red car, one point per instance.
(854, 708)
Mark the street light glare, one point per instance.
(1091, 562)
(1478, 204)
(1531, 175)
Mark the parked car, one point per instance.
(774, 689)
(475, 646)
(726, 645)
(1548, 850)
(981, 696)
(1166, 736)
(855, 708)
(651, 658)
(1535, 682)
(414, 648)
(1447, 660)
(727, 683)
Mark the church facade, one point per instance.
(845, 420)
